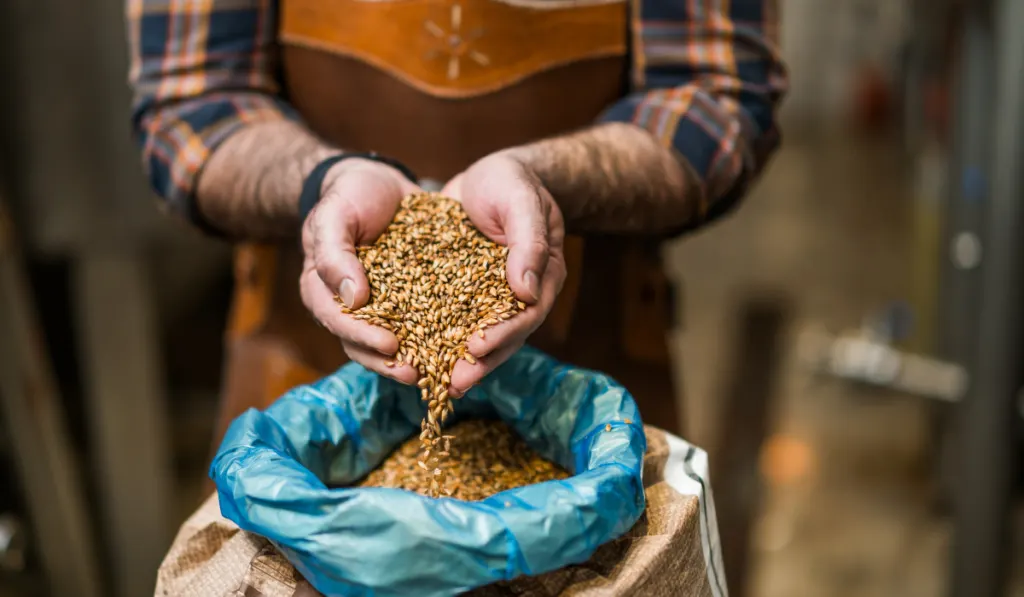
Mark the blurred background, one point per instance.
(848, 350)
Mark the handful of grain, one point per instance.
(434, 281)
(490, 458)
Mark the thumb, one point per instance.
(526, 230)
(334, 254)
(453, 189)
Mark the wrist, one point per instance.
(611, 178)
(329, 171)
(547, 160)
(526, 157)
(344, 167)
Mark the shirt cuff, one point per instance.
(178, 139)
(706, 134)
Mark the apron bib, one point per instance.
(438, 84)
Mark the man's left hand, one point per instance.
(507, 202)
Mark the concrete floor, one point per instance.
(851, 506)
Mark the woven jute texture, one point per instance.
(672, 550)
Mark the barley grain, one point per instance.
(490, 458)
(435, 280)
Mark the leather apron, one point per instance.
(438, 84)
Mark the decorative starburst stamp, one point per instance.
(455, 44)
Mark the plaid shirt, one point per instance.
(708, 79)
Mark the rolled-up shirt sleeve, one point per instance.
(709, 81)
(199, 72)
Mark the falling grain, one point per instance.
(435, 280)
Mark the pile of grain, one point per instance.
(488, 459)
(434, 281)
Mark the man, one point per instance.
(622, 121)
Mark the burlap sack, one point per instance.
(673, 550)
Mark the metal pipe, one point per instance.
(982, 503)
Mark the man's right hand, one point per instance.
(358, 200)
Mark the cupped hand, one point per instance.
(359, 199)
(508, 203)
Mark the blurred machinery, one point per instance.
(870, 356)
(12, 543)
(965, 350)
(981, 322)
(33, 419)
(747, 392)
(843, 58)
(89, 269)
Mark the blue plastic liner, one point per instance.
(275, 473)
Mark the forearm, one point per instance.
(614, 178)
(249, 187)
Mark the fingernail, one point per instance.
(348, 292)
(532, 284)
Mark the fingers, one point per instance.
(408, 187)
(357, 205)
(453, 189)
(517, 329)
(356, 208)
(334, 253)
(378, 363)
(526, 230)
(320, 302)
(466, 374)
(503, 340)
(370, 346)
(510, 206)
